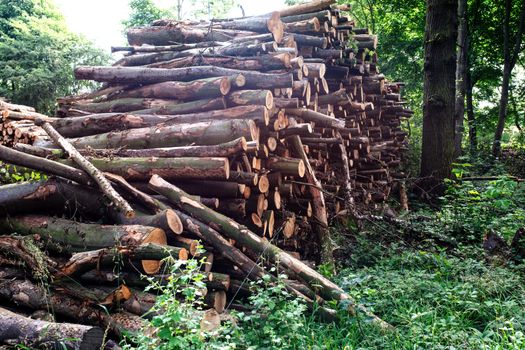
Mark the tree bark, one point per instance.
(20, 330)
(120, 203)
(33, 296)
(51, 196)
(139, 75)
(71, 236)
(151, 255)
(45, 165)
(461, 67)
(106, 122)
(166, 135)
(141, 169)
(186, 91)
(439, 90)
(148, 106)
(180, 33)
(509, 61)
(319, 119)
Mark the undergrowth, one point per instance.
(430, 278)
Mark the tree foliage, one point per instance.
(38, 53)
(143, 12)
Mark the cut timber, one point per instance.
(272, 24)
(70, 236)
(139, 75)
(245, 237)
(141, 169)
(106, 122)
(167, 220)
(202, 133)
(193, 90)
(47, 166)
(105, 186)
(53, 195)
(220, 150)
(319, 119)
(216, 299)
(251, 97)
(286, 166)
(20, 330)
(151, 253)
(177, 32)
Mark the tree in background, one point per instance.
(38, 53)
(143, 12)
(512, 42)
(439, 89)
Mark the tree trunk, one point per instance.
(45, 165)
(33, 296)
(439, 90)
(141, 169)
(461, 67)
(187, 91)
(106, 122)
(509, 61)
(51, 196)
(139, 75)
(105, 186)
(20, 330)
(151, 255)
(166, 135)
(64, 235)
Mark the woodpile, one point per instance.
(247, 134)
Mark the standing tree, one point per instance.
(143, 12)
(38, 52)
(461, 69)
(510, 57)
(439, 89)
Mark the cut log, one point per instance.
(138, 75)
(202, 133)
(47, 166)
(120, 203)
(193, 90)
(20, 330)
(106, 122)
(251, 97)
(151, 253)
(141, 169)
(51, 196)
(69, 236)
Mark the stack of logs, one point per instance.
(277, 122)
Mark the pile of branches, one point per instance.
(246, 134)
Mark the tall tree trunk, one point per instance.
(461, 66)
(472, 130)
(509, 61)
(439, 89)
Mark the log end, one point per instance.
(301, 168)
(157, 236)
(264, 184)
(269, 100)
(239, 81)
(276, 27)
(224, 86)
(174, 222)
